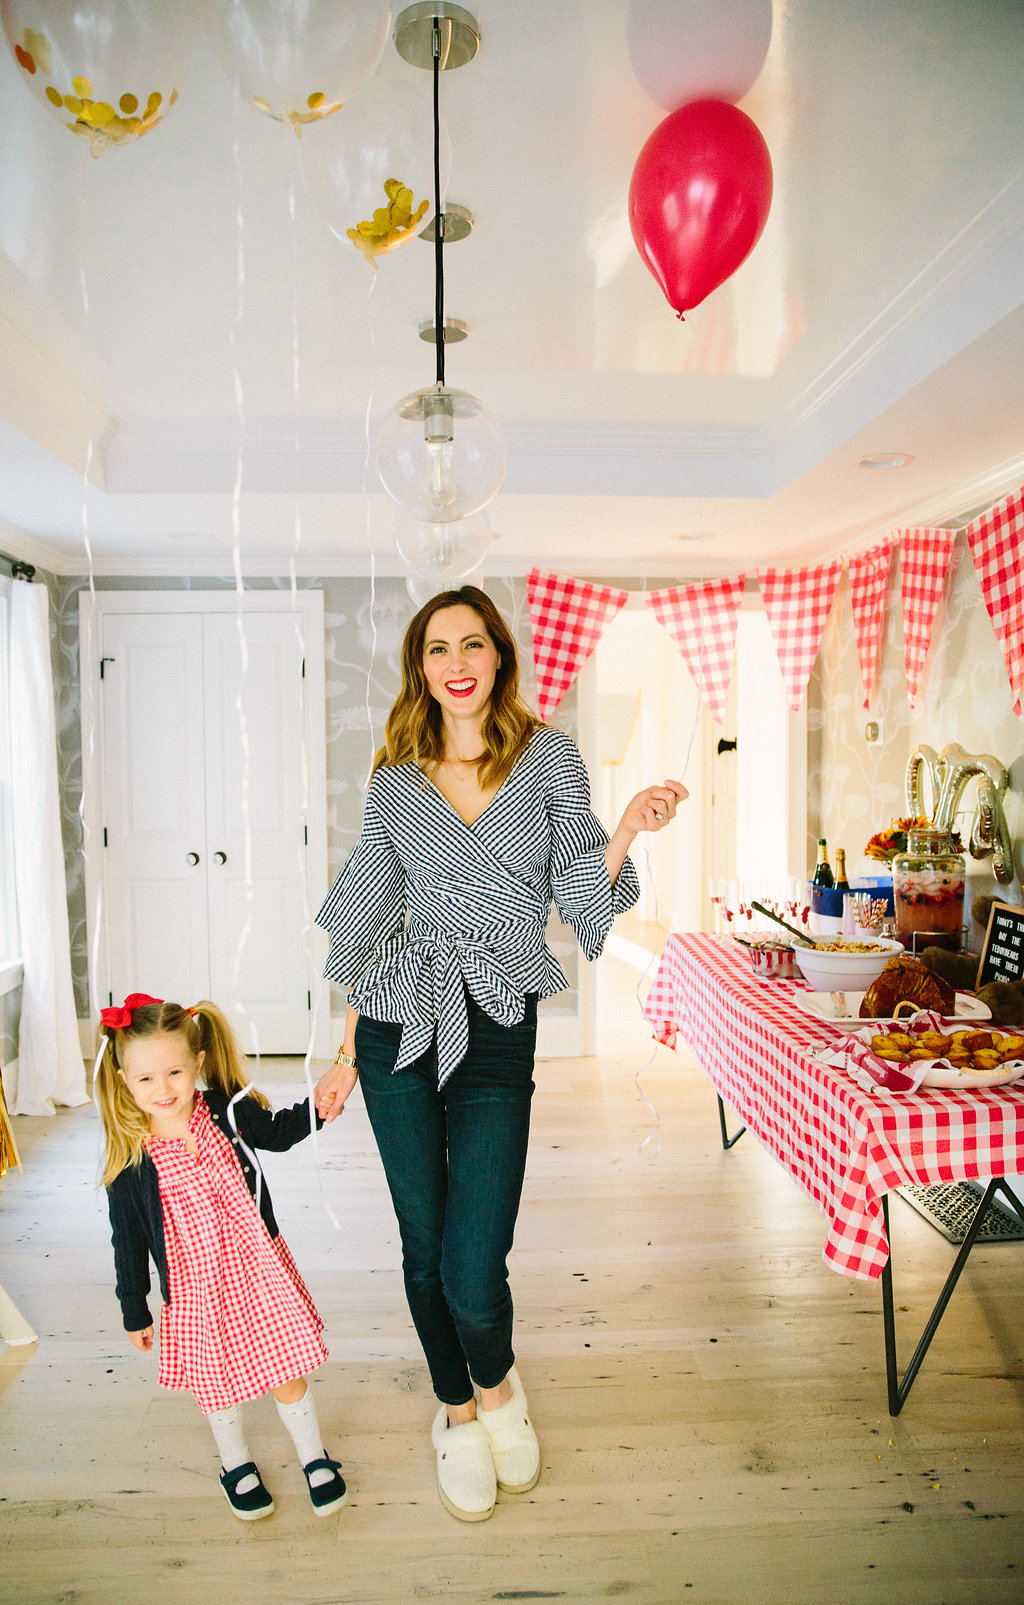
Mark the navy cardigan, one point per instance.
(136, 1217)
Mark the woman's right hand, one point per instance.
(142, 1340)
(333, 1089)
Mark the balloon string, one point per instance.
(236, 563)
(435, 40)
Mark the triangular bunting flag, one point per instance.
(701, 619)
(567, 617)
(997, 543)
(869, 578)
(924, 559)
(797, 602)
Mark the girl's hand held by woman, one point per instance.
(332, 1090)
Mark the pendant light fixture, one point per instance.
(439, 455)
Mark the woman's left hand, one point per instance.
(654, 807)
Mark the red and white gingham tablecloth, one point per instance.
(845, 1146)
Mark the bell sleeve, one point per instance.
(366, 904)
(580, 883)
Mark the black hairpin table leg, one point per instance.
(898, 1390)
(727, 1141)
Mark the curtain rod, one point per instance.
(19, 569)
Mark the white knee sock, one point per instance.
(304, 1430)
(226, 1426)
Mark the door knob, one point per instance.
(220, 858)
(193, 858)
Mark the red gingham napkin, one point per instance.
(567, 617)
(797, 602)
(924, 559)
(869, 577)
(701, 619)
(996, 540)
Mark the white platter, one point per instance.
(947, 1075)
(841, 1008)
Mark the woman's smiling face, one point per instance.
(460, 661)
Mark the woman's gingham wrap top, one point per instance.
(427, 905)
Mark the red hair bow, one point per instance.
(119, 1018)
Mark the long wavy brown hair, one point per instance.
(415, 729)
(205, 1030)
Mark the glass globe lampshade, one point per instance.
(439, 455)
(447, 552)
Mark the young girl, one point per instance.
(186, 1190)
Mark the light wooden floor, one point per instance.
(709, 1396)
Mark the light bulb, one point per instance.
(439, 455)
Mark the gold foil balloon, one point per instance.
(108, 71)
(298, 61)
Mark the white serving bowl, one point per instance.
(843, 972)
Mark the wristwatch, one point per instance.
(341, 1057)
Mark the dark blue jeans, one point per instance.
(454, 1162)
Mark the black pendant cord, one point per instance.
(438, 219)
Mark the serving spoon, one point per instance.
(800, 935)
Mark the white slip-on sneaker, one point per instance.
(514, 1446)
(465, 1471)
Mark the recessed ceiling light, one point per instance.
(189, 535)
(695, 535)
(886, 459)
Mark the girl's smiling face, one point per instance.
(460, 661)
(160, 1073)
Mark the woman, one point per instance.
(476, 817)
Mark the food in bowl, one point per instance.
(970, 1051)
(843, 966)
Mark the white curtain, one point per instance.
(50, 1069)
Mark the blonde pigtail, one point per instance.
(125, 1127)
(223, 1069)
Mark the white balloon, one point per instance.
(109, 72)
(423, 586)
(298, 61)
(683, 50)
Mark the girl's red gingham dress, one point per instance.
(240, 1319)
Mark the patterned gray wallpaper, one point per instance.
(362, 649)
(855, 789)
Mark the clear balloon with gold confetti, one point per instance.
(108, 72)
(298, 61)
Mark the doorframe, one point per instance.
(307, 607)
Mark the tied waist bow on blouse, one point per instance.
(428, 908)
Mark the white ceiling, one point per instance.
(165, 305)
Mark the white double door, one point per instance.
(206, 882)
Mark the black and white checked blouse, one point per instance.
(427, 904)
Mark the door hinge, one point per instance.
(104, 835)
(305, 835)
(103, 664)
(110, 999)
(309, 1000)
(303, 668)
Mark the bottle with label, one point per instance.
(823, 869)
(842, 883)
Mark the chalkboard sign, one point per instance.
(1002, 956)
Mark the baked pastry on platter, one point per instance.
(906, 981)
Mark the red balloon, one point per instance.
(699, 198)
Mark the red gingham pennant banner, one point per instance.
(996, 540)
(701, 619)
(797, 602)
(924, 559)
(869, 577)
(567, 617)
